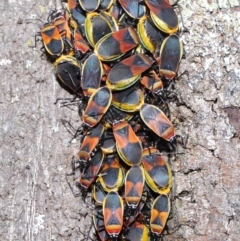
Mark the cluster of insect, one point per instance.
(120, 59)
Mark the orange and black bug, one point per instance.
(134, 184)
(56, 34)
(98, 105)
(68, 70)
(159, 215)
(149, 35)
(96, 27)
(170, 56)
(89, 175)
(135, 9)
(111, 176)
(113, 215)
(128, 145)
(152, 82)
(128, 71)
(157, 171)
(52, 39)
(129, 100)
(137, 232)
(157, 121)
(99, 223)
(89, 6)
(116, 44)
(92, 72)
(163, 15)
(89, 143)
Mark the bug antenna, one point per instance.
(30, 20)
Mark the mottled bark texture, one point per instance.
(36, 202)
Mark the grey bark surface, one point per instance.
(36, 202)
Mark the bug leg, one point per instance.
(36, 39)
(185, 29)
(74, 168)
(182, 140)
(74, 132)
(184, 73)
(86, 237)
(67, 101)
(68, 126)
